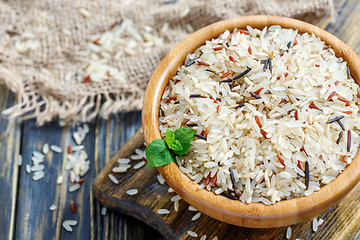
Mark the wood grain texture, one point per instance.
(235, 212)
(9, 153)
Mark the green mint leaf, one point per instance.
(170, 137)
(184, 136)
(176, 146)
(157, 154)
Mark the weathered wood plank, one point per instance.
(111, 135)
(34, 219)
(9, 153)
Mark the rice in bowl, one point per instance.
(276, 114)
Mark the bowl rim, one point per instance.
(255, 215)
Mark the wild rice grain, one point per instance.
(191, 233)
(348, 145)
(335, 119)
(341, 125)
(288, 232)
(191, 62)
(248, 69)
(199, 136)
(195, 95)
(339, 138)
(265, 62)
(113, 179)
(229, 196)
(255, 95)
(232, 177)
(270, 65)
(288, 45)
(307, 174)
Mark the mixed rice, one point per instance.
(276, 114)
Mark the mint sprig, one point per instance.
(160, 152)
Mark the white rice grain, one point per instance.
(163, 211)
(45, 148)
(196, 216)
(139, 165)
(315, 225)
(52, 207)
(113, 179)
(132, 192)
(103, 211)
(74, 187)
(288, 233)
(56, 149)
(191, 233)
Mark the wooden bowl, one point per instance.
(254, 215)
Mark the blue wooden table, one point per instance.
(25, 203)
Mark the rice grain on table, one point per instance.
(52, 207)
(19, 160)
(56, 149)
(74, 187)
(38, 175)
(68, 224)
(45, 148)
(103, 211)
(277, 114)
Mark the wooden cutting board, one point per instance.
(340, 222)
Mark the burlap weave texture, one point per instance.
(38, 75)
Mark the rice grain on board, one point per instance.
(288, 232)
(163, 211)
(132, 191)
(270, 120)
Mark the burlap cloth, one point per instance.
(37, 76)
